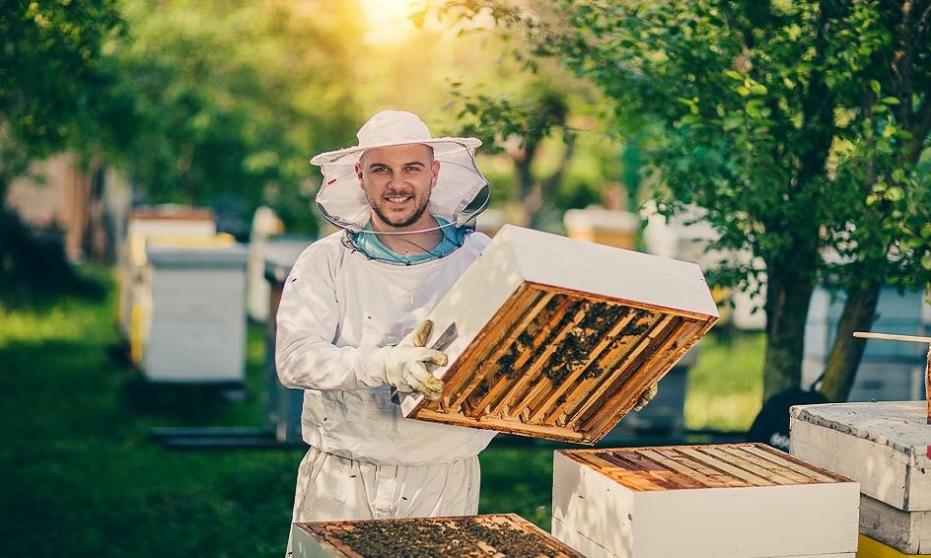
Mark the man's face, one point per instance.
(397, 182)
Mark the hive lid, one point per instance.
(702, 466)
(163, 256)
(900, 425)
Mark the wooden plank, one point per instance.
(705, 456)
(815, 473)
(504, 425)
(543, 381)
(614, 406)
(758, 465)
(639, 304)
(572, 380)
(489, 363)
(545, 335)
(607, 363)
(634, 481)
(459, 383)
(611, 379)
(683, 470)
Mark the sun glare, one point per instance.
(387, 20)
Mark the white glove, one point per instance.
(404, 365)
(647, 396)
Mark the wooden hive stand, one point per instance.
(712, 501)
(557, 338)
(497, 535)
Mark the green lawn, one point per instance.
(81, 476)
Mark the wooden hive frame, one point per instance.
(481, 535)
(702, 466)
(561, 364)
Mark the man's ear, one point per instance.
(359, 175)
(435, 170)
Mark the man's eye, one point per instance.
(412, 169)
(380, 170)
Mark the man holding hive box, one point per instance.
(348, 330)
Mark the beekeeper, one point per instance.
(351, 325)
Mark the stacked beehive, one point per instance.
(557, 338)
(718, 501)
(474, 536)
(886, 446)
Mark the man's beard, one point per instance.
(418, 213)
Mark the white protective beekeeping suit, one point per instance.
(339, 306)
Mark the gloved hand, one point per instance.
(404, 365)
(647, 396)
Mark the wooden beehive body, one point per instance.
(557, 338)
(884, 446)
(721, 501)
(481, 535)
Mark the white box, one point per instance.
(883, 445)
(557, 338)
(745, 500)
(196, 328)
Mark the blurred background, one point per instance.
(156, 189)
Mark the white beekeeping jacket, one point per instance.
(336, 307)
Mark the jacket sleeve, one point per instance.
(307, 321)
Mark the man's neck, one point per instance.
(418, 238)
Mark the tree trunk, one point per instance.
(788, 295)
(847, 350)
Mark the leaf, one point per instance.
(734, 74)
(926, 261)
(926, 231)
(895, 194)
(891, 101)
(874, 85)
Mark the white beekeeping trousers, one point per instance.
(334, 488)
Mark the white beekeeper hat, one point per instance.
(460, 194)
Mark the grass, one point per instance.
(725, 386)
(82, 477)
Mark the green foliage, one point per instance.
(51, 73)
(797, 127)
(231, 99)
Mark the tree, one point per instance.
(231, 99)
(52, 73)
(798, 127)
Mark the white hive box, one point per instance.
(884, 446)
(604, 226)
(145, 222)
(721, 501)
(557, 338)
(196, 314)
